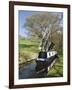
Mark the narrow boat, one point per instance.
(45, 59)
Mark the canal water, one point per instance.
(27, 71)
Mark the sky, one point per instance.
(22, 19)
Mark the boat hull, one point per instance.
(44, 64)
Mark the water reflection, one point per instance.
(28, 71)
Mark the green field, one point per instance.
(57, 69)
(28, 49)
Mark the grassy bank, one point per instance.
(57, 69)
(28, 49)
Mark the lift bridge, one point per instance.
(47, 56)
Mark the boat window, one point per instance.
(49, 54)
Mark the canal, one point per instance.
(27, 71)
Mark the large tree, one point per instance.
(43, 25)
